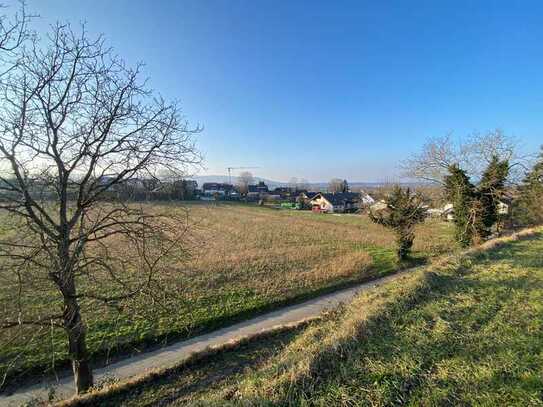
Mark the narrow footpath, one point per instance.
(173, 354)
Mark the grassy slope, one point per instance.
(245, 259)
(212, 371)
(468, 333)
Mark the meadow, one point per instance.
(243, 260)
(465, 331)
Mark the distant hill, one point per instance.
(224, 178)
(316, 186)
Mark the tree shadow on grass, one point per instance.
(191, 379)
(454, 317)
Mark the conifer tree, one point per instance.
(403, 212)
(489, 192)
(461, 193)
(529, 209)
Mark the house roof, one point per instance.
(339, 198)
(309, 195)
(260, 187)
(217, 186)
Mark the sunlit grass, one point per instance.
(469, 333)
(244, 260)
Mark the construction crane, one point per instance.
(236, 168)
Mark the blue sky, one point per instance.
(322, 89)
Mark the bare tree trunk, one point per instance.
(77, 348)
(74, 327)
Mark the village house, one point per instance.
(340, 202)
(503, 209)
(365, 199)
(284, 192)
(256, 191)
(504, 205)
(307, 196)
(216, 189)
(303, 200)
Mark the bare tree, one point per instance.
(298, 184)
(77, 125)
(473, 154)
(303, 185)
(338, 185)
(244, 180)
(14, 31)
(293, 183)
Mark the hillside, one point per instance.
(471, 332)
(315, 186)
(467, 332)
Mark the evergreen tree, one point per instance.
(345, 186)
(489, 192)
(461, 194)
(529, 209)
(404, 211)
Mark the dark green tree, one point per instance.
(345, 187)
(403, 212)
(489, 192)
(460, 192)
(529, 207)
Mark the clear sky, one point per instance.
(322, 89)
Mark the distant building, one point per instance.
(365, 199)
(308, 195)
(339, 202)
(284, 192)
(217, 189)
(504, 205)
(257, 190)
(304, 199)
(503, 208)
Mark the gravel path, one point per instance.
(177, 352)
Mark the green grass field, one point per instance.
(244, 260)
(468, 331)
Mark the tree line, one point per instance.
(477, 177)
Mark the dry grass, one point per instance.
(245, 259)
(294, 372)
(468, 333)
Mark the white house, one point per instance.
(503, 208)
(365, 199)
(448, 212)
(336, 203)
(379, 206)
